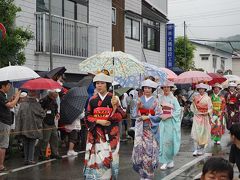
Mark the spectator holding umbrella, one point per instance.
(29, 124)
(103, 117)
(201, 129)
(5, 119)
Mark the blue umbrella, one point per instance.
(135, 80)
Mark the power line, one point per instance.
(222, 25)
(223, 41)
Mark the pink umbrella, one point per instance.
(170, 74)
(190, 77)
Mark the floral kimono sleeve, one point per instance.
(158, 111)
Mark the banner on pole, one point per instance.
(170, 56)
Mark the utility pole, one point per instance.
(50, 35)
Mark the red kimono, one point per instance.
(101, 157)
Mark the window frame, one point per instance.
(156, 29)
(139, 28)
(114, 21)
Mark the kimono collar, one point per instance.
(216, 95)
(102, 97)
(147, 98)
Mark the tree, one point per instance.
(12, 47)
(180, 61)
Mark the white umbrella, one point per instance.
(232, 78)
(17, 73)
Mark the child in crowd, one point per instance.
(217, 168)
(234, 156)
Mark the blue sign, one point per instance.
(170, 45)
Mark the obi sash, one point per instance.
(167, 110)
(232, 100)
(203, 108)
(102, 113)
(144, 111)
(217, 103)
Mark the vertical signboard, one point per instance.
(170, 45)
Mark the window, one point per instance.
(69, 10)
(204, 58)
(72, 9)
(114, 16)
(214, 62)
(223, 63)
(132, 29)
(151, 35)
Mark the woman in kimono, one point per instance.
(201, 128)
(103, 117)
(217, 122)
(146, 142)
(231, 105)
(170, 127)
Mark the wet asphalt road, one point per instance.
(186, 167)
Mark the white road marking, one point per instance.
(39, 163)
(186, 166)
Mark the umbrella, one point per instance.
(192, 77)
(149, 70)
(17, 73)
(119, 92)
(55, 72)
(216, 78)
(41, 84)
(121, 64)
(86, 81)
(170, 74)
(72, 104)
(232, 78)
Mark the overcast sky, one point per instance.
(205, 19)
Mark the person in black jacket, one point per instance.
(50, 134)
(5, 119)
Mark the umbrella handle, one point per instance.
(113, 74)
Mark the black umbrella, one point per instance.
(86, 81)
(56, 71)
(72, 104)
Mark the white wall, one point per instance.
(135, 47)
(26, 18)
(207, 65)
(134, 5)
(160, 5)
(236, 66)
(99, 15)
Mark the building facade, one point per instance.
(236, 64)
(81, 28)
(211, 59)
